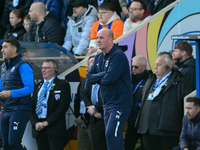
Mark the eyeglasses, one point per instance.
(45, 68)
(136, 67)
(133, 9)
(103, 12)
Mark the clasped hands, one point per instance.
(93, 113)
(40, 125)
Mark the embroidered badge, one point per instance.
(106, 64)
(57, 97)
(13, 68)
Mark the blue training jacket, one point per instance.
(112, 73)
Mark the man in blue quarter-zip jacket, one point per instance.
(17, 86)
(111, 71)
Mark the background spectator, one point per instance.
(10, 5)
(54, 6)
(44, 28)
(79, 27)
(137, 13)
(15, 29)
(108, 18)
(185, 61)
(26, 23)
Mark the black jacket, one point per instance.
(56, 109)
(16, 32)
(48, 31)
(160, 5)
(137, 95)
(188, 69)
(163, 115)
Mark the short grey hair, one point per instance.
(168, 60)
(142, 59)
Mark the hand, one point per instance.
(91, 50)
(97, 115)
(79, 120)
(91, 110)
(185, 149)
(5, 94)
(83, 125)
(45, 123)
(39, 126)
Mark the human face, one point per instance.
(48, 70)
(160, 68)
(14, 20)
(191, 110)
(26, 25)
(177, 55)
(104, 42)
(135, 11)
(89, 64)
(78, 10)
(33, 14)
(104, 15)
(137, 67)
(8, 51)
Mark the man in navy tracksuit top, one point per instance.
(111, 71)
(17, 86)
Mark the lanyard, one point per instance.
(137, 86)
(180, 69)
(109, 26)
(156, 86)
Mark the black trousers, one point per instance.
(48, 142)
(98, 135)
(153, 142)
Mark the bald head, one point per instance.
(37, 12)
(105, 40)
(39, 6)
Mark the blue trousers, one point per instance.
(13, 124)
(115, 120)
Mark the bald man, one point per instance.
(111, 71)
(44, 28)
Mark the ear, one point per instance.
(183, 53)
(14, 49)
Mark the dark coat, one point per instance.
(56, 109)
(48, 31)
(163, 115)
(137, 96)
(188, 69)
(190, 134)
(160, 5)
(16, 32)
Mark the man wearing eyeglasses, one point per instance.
(139, 78)
(137, 13)
(161, 113)
(50, 101)
(108, 19)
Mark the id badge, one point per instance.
(150, 98)
(82, 108)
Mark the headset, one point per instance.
(167, 67)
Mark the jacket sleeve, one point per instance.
(64, 102)
(93, 76)
(77, 102)
(68, 38)
(184, 140)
